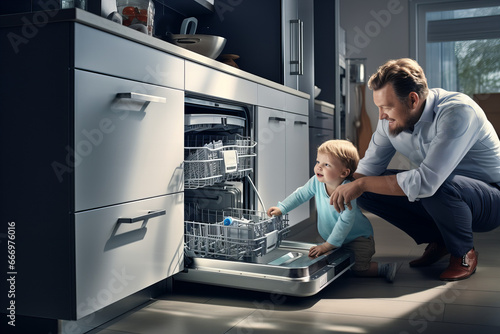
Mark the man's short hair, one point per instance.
(404, 74)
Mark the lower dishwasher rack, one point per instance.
(286, 270)
(231, 233)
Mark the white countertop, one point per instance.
(325, 107)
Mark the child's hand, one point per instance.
(274, 211)
(316, 251)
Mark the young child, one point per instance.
(335, 163)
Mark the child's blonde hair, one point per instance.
(343, 150)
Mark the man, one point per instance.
(455, 188)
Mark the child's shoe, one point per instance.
(388, 270)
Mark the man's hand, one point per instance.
(344, 194)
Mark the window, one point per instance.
(458, 44)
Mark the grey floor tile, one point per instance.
(108, 331)
(474, 315)
(317, 322)
(477, 298)
(417, 302)
(181, 317)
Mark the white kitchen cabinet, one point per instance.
(125, 135)
(122, 249)
(297, 162)
(124, 142)
(91, 137)
(271, 155)
(282, 157)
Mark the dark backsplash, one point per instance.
(167, 17)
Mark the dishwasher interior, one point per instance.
(227, 241)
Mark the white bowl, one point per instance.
(207, 45)
(317, 90)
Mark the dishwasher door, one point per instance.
(286, 270)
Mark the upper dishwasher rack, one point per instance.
(213, 159)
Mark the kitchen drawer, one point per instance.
(317, 137)
(210, 82)
(102, 52)
(115, 259)
(271, 98)
(296, 104)
(323, 115)
(321, 120)
(125, 149)
(276, 99)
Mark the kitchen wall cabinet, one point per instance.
(93, 168)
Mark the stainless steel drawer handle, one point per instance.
(300, 123)
(141, 97)
(277, 119)
(150, 214)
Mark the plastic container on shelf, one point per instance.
(137, 14)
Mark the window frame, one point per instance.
(418, 27)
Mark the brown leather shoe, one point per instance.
(460, 267)
(433, 253)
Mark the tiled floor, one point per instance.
(417, 302)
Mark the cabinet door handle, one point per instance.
(277, 119)
(299, 61)
(300, 122)
(149, 215)
(141, 97)
(321, 135)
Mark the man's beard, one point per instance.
(409, 122)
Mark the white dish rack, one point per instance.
(252, 234)
(213, 159)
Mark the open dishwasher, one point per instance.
(227, 241)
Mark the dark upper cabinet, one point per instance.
(253, 32)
